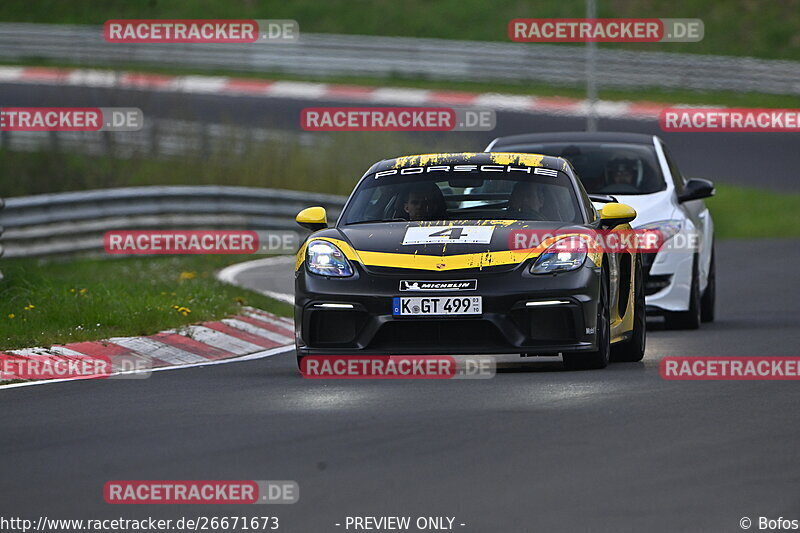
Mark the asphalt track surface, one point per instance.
(768, 160)
(533, 449)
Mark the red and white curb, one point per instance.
(327, 91)
(250, 335)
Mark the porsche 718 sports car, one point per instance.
(421, 262)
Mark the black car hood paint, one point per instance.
(387, 237)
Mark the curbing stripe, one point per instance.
(324, 91)
(285, 325)
(158, 350)
(190, 345)
(249, 327)
(239, 333)
(218, 339)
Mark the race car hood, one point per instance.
(438, 246)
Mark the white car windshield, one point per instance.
(607, 168)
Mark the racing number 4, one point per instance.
(451, 233)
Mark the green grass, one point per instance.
(733, 27)
(746, 212)
(653, 94)
(45, 303)
(332, 167)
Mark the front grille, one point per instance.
(448, 334)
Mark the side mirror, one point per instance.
(696, 189)
(313, 218)
(612, 215)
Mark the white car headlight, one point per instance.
(562, 256)
(667, 228)
(326, 259)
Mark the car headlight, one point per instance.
(326, 259)
(562, 256)
(667, 229)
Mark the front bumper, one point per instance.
(668, 280)
(507, 324)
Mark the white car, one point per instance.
(637, 170)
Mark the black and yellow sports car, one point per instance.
(426, 259)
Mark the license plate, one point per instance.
(437, 306)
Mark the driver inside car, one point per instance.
(526, 199)
(425, 202)
(621, 171)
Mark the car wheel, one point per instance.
(687, 319)
(599, 358)
(709, 301)
(633, 349)
(300, 363)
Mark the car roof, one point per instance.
(472, 158)
(573, 136)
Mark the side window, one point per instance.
(677, 177)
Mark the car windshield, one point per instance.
(542, 194)
(607, 168)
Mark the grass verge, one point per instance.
(747, 212)
(55, 302)
(328, 167)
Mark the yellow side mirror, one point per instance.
(313, 218)
(614, 214)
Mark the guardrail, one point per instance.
(71, 222)
(358, 55)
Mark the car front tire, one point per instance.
(633, 349)
(597, 359)
(708, 303)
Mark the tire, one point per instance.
(687, 319)
(632, 350)
(708, 302)
(598, 359)
(300, 363)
